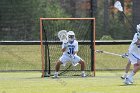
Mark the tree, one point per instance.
(136, 13)
(106, 16)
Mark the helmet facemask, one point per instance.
(71, 36)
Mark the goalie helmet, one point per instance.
(71, 36)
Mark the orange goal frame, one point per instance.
(41, 39)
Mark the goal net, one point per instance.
(84, 29)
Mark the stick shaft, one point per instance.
(112, 53)
(129, 22)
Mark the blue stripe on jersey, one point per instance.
(138, 46)
(135, 56)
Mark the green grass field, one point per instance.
(30, 82)
(23, 57)
(29, 58)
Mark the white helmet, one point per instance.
(71, 36)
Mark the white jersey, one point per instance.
(134, 51)
(72, 47)
(68, 54)
(133, 48)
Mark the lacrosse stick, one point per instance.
(125, 55)
(118, 6)
(62, 35)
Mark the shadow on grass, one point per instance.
(127, 85)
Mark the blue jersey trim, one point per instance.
(135, 56)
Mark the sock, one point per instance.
(56, 73)
(125, 74)
(131, 74)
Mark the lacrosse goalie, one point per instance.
(69, 49)
(134, 56)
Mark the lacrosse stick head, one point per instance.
(62, 35)
(125, 55)
(118, 6)
(99, 51)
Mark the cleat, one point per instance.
(55, 76)
(83, 75)
(124, 76)
(128, 81)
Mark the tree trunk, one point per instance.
(106, 16)
(136, 13)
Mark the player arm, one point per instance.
(64, 46)
(76, 49)
(63, 49)
(137, 42)
(75, 52)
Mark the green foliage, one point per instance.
(106, 37)
(19, 19)
(52, 9)
(120, 29)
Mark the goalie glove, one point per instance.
(65, 44)
(125, 55)
(138, 35)
(72, 60)
(72, 56)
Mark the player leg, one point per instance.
(127, 68)
(57, 67)
(62, 60)
(136, 62)
(134, 71)
(82, 63)
(136, 67)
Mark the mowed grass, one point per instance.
(20, 57)
(29, 58)
(31, 82)
(106, 61)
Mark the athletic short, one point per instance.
(133, 58)
(66, 58)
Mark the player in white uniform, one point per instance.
(134, 56)
(70, 50)
(127, 68)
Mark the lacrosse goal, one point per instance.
(84, 29)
